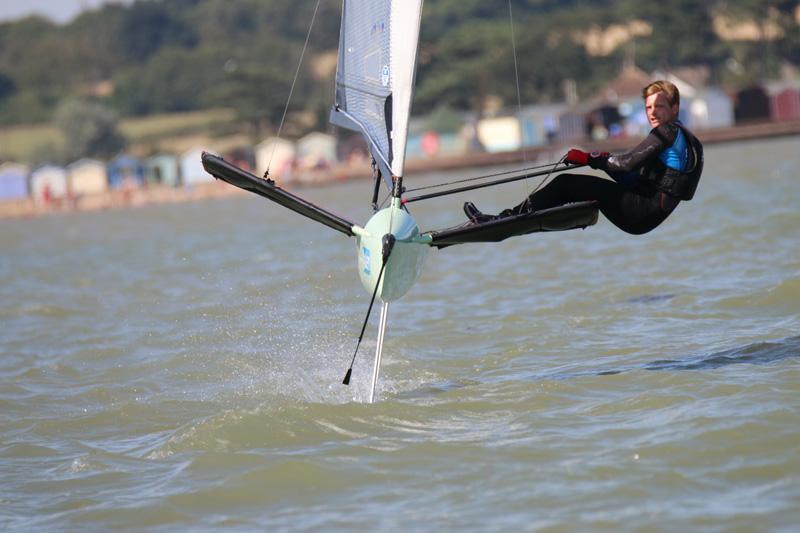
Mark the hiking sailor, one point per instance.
(648, 181)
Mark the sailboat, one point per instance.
(375, 73)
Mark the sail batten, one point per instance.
(375, 75)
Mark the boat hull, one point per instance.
(406, 259)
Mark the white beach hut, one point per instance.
(710, 108)
(316, 149)
(278, 155)
(192, 171)
(86, 177)
(500, 134)
(48, 183)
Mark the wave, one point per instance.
(759, 353)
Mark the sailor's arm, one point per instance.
(657, 141)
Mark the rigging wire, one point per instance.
(525, 176)
(516, 72)
(291, 90)
(519, 95)
(481, 177)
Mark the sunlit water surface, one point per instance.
(180, 366)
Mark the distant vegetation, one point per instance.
(155, 57)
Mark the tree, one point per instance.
(89, 129)
(174, 80)
(467, 65)
(777, 29)
(7, 87)
(257, 94)
(147, 27)
(682, 33)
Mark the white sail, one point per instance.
(375, 75)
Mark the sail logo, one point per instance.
(365, 261)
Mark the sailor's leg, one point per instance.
(567, 188)
(563, 189)
(632, 213)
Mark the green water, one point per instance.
(180, 366)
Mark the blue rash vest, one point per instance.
(676, 156)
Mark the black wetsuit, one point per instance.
(636, 201)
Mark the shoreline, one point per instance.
(161, 194)
(117, 199)
(746, 132)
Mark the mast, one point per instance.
(406, 16)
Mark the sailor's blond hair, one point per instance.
(667, 87)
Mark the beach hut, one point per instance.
(431, 143)
(572, 125)
(48, 183)
(626, 87)
(539, 123)
(500, 134)
(316, 149)
(191, 167)
(13, 181)
(634, 118)
(278, 155)
(468, 133)
(752, 105)
(125, 171)
(709, 108)
(417, 126)
(352, 148)
(414, 146)
(452, 143)
(87, 176)
(784, 102)
(241, 156)
(427, 144)
(162, 169)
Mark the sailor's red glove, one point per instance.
(579, 157)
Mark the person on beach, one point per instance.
(646, 184)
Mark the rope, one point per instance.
(539, 185)
(547, 177)
(291, 90)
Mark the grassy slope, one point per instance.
(28, 143)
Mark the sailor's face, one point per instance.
(658, 109)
